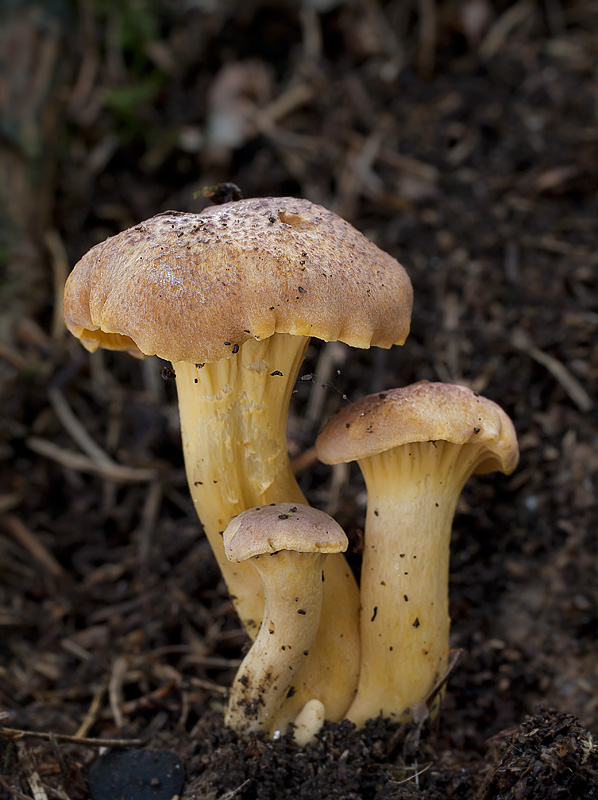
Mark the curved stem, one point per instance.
(293, 600)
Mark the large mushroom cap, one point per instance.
(191, 287)
(284, 526)
(421, 412)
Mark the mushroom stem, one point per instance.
(412, 496)
(233, 422)
(293, 600)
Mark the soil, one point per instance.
(461, 138)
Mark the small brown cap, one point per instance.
(191, 287)
(422, 412)
(284, 526)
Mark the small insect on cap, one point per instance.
(194, 287)
(422, 412)
(284, 526)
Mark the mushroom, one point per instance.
(231, 297)
(416, 447)
(287, 543)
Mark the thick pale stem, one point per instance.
(293, 599)
(233, 423)
(412, 496)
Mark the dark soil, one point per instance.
(466, 150)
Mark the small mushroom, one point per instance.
(231, 297)
(287, 543)
(416, 447)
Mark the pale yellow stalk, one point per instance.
(412, 495)
(293, 601)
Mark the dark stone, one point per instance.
(136, 775)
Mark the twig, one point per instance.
(412, 166)
(571, 385)
(86, 78)
(86, 741)
(234, 792)
(72, 424)
(115, 689)
(10, 501)
(512, 18)
(304, 461)
(92, 714)
(81, 463)
(414, 777)
(213, 662)
(266, 118)
(358, 176)
(31, 773)
(149, 518)
(552, 245)
(454, 658)
(209, 686)
(60, 791)
(311, 30)
(428, 36)
(60, 271)
(34, 547)
(12, 355)
(12, 791)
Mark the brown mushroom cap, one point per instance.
(191, 287)
(421, 412)
(284, 526)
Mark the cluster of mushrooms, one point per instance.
(231, 297)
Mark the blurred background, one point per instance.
(459, 135)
